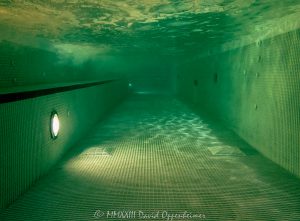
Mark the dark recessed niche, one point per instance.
(196, 83)
(216, 77)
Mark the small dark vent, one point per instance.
(216, 77)
(196, 83)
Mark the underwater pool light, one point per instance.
(54, 125)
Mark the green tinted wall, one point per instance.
(26, 148)
(255, 90)
(29, 66)
(25, 67)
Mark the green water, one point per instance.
(83, 30)
(140, 40)
(236, 61)
(166, 26)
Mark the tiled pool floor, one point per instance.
(154, 157)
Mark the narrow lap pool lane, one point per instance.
(154, 156)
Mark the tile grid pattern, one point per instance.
(153, 154)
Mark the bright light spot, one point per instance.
(78, 54)
(54, 125)
(129, 85)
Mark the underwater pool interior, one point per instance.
(150, 110)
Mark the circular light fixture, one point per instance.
(54, 125)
